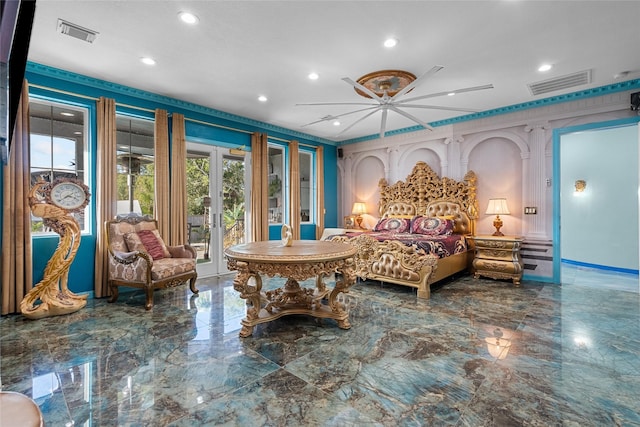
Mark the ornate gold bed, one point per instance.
(392, 257)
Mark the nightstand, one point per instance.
(498, 257)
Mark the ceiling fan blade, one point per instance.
(337, 103)
(363, 88)
(433, 95)
(410, 117)
(417, 81)
(357, 111)
(317, 121)
(437, 107)
(383, 123)
(358, 121)
(332, 117)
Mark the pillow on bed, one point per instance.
(394, 224)
(432, 226)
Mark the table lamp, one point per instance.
(497, 207)
(358, 210)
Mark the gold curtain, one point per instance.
(320, 191)
(17, 265)
(178, 228)
(161, 178)
(259, 172)
(106, 194)
(294, 189)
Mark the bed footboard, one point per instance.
(392, 262)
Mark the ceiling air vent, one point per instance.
(76, 31)
(559, 83)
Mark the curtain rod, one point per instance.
(217, 126)
(93, 98)
(301, 144)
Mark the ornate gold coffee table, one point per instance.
(302, 260)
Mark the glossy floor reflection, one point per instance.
(479, 353)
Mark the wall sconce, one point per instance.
(497, 207)
(497, 345)
(580, 185)
(358, 210)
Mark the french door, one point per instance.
(217, 197)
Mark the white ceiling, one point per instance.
(242, 49)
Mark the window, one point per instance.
(275, 191)
(58, 149)
(307, 190)
(135, 165)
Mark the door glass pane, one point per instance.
(199, 203)
(233, 201)
(275, 189)
(135, 165)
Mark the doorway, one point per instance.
(596, 223)
(217, 197)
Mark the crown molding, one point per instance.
(587, 93)
(92, 82)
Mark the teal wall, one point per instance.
(62, 86)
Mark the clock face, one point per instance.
(68, 195)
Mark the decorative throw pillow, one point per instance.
(146, 240)
(432, 226)
(133, 242)
(165, 250)
(395, 225)
(151, 244)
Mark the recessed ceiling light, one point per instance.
(64, 113)
(451, 93)
(544, 67)
(336, 123)
(188, 18)
(147, 60)
(313, 76)
(262, 98)
(390, 42)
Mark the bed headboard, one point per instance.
(425, 193)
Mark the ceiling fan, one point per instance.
(386, 90)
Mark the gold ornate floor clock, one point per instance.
(55, 203)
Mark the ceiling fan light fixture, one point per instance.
(385, 81)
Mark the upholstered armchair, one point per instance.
(139, 258)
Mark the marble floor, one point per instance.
(478, 353)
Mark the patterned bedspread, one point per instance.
(442, 246)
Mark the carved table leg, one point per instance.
(251, 294)
(348, 278)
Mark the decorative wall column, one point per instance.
(534, 182)
(452, 166)
(394, 162)
(348, 190)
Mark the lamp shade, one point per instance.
(359, 208)
(497, 207)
